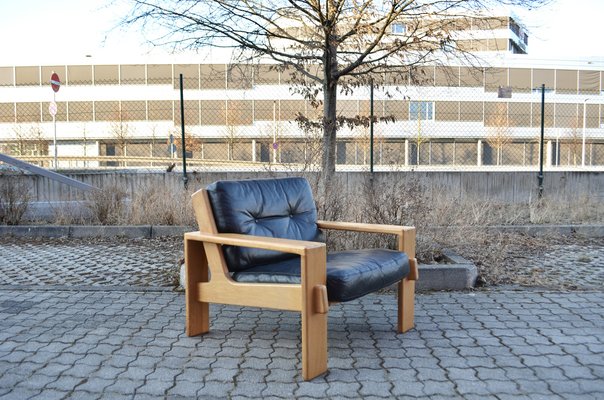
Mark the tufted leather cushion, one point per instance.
(281, 208)
(350, 274)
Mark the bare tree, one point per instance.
(574, 140)
(20, 140)
(231, 132)
(421, 111)
(327, 46)
(499, 133)
(121, 132)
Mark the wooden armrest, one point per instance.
(406, 236)
(361, 227)
(299, 247)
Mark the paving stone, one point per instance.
(311, 389)
(124, 386)
(154, 388)
(375, 389)
(279, 390)
(343, 389)
(249, 390)
(213, 390)
(65, 383)
(95, 385)
(436, 389)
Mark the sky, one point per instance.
(65, 31)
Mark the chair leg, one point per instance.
(196, 270)
(314, 313)
(406, 305)
(314, 344)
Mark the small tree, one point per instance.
(121, 133)
(574, 138)
(21, 137)
(231, 130)
(40, 143)
(420, 113)
(193, 143)
(498, 134)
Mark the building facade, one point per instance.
(246, 115)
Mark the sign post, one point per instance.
(55, 84)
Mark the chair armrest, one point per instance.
(406, 237)
(299, 247)
(362, 227)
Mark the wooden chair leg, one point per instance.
(314, 344)
(406, 305)
(196, 270)
(314, 314)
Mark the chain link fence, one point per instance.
(245, 118)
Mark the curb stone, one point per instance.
(457, 274)
(152, 231)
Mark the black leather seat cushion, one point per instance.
(279, 208)
(350, 274)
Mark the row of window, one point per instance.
(246, 112)
(246, 76)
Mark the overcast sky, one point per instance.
(64, 31)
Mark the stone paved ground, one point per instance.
(145, 262)
(570, 265)
(114, 345)
(106, 343)
(93, 262)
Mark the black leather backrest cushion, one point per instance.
(279, 208)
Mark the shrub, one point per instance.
(108, 205)
(15, 198)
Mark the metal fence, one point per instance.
(256, 126)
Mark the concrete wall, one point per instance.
(509, 187)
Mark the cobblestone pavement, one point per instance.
(115, 344)
(108, 343)
(570, 265)
(153, 262)
(94, 262)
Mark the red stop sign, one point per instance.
(55, 82)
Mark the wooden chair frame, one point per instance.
(208, 280)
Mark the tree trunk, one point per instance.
(329, 131)
(330, 90)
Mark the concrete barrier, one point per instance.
(456, 273)
(501, 186)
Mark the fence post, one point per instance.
(540, 176)
(371, 126)
(182, 129)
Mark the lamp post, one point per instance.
(583, 133)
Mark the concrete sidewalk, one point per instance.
(131, 344)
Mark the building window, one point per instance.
(398, 28)
(421, 110)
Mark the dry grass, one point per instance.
(108, 206)
(14, 198)
(151, 205)
(462, 225)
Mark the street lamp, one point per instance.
(583, 139)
